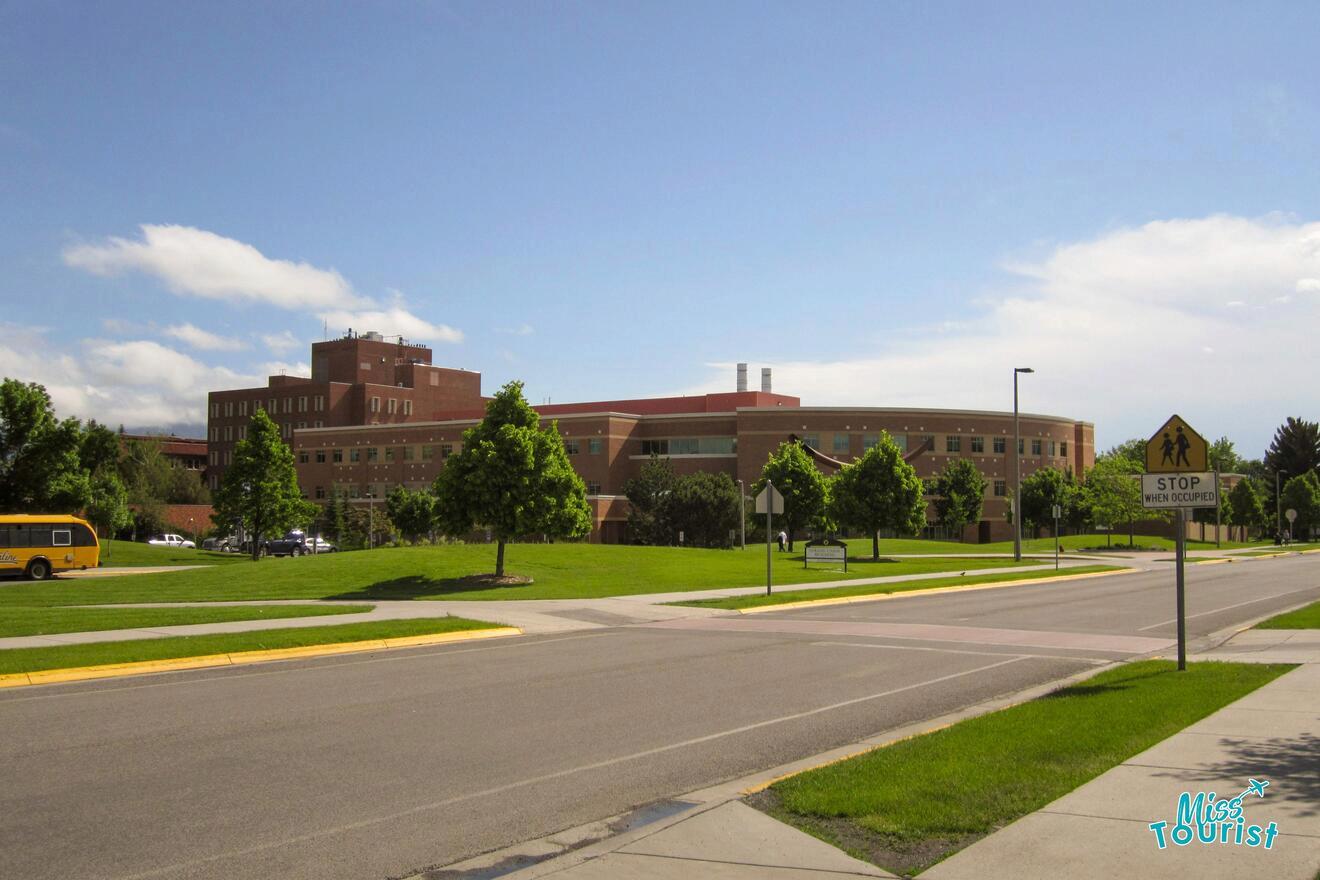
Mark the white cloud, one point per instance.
(279, 343)
(203, 339)
(139, 382)
(283, 368)
(1116, 329)
(201, 263)
(391, 320)
(520, 330)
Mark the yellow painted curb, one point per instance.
(240, 658)
(1214, 562)
(877, 597)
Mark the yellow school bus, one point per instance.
(38, 545)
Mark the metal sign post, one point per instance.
(1058, 510)
(1177, 460)
(769, 502)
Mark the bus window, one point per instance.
(39, 536)
(61, 538)
(82, 536)
(4, 536)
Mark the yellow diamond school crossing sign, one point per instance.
(1177, 449)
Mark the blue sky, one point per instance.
(891, 204)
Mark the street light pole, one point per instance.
(1017, 469)
(371, 520)
(742, 514)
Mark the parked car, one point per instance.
(297, 543)
(228, 544)
(171, 540)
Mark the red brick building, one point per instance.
(376, 414)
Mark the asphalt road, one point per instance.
(382, 765)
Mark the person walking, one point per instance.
(783, 539)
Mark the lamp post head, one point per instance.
(1023, 370)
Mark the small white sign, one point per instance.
(1179, 490)
(825, 553)
(1290, 515)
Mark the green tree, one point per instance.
(879, 491)
(40, 470)
(1302, 494)
(513, 477)
(647, 494)
(704, 507)
(412, 512)
(1044, 489)
(260, 489)
(107, 508)
(1224, 458)
(1245, 501)
(794, 474)
(1295, 449)
(1131, 452)
(959, 493)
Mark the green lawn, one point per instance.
(66, 656)
(120, 554)
(18, 620)
(780, 598)
(559, 571)
(1302, 618)
(1095, 542)
(911, 804)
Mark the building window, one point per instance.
(572, 447)
(320, 456)
(594, 445)
(353, 491)
(428, 452)
(928, 486)
(870, 441)
(215, 410)
(302, 425)
(978, 444)
(215, 434)
(1053, 450)
(319, 402)
(408, 453)
(375, 404)
(288, 405)
(389, 453)
(354, 455)
(372, 452)
(303, 458)
(229, 458)
(336, 455)
(1000, 444)
(229, 408)
(407, 407)
(655, 447)
(900, 440)
(812, 440)
(1021, 445)
(214, 456)
(952, 443)
(392, 406)
(446, 450)
(302, 403)
(1035, 446)
(1063, 448)
(1001, 488)
(256, 406)
(242, 432)
(229, 433)
(320, 491)
(841, 443)
(242, 407)
(593, 488)
(318, 423)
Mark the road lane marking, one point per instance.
(1225, 608)
(549, 777)
(959, 651)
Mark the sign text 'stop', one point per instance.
(1176, 448)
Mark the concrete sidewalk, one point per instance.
(1102, 829)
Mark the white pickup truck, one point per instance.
(171, 540)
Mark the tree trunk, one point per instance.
(1132, 532)
(790, 540)
(256, 545)
(875, 546)
(499, 559)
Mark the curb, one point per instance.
(242, 658)
(879, 597)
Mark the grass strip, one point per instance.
(760, 599)
(1302, 618)
(24, 621)
(131, 554)
(101, 653)
(910, 804)
(558, 571)
(1116, 542)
